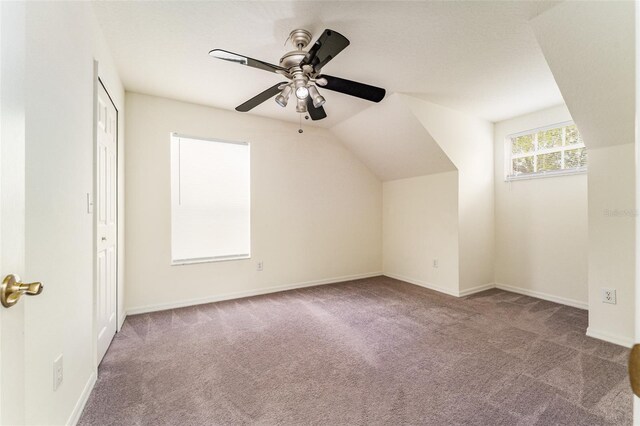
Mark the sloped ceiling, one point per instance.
(590, 49)
(391, 141)
(477, 57)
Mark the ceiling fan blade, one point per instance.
(353, 88)
(260, 98)
(315, 113)
(327, 47)
(243, 60)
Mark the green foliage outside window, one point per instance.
(548, 150)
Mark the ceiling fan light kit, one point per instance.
(302, 68)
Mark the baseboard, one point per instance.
(476, 289)
(544, 296)
(246, 293)
(611, 338)
(82, 401)
(121, 320)
(422, 284)
(488, 286)
(430, 286)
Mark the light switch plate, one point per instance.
(58, 372)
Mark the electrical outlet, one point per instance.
(435, 263)
(609, 295)
(58, 372)
(260, 266)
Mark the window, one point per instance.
(548, 151)
(210, 200)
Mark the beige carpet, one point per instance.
(374, 351)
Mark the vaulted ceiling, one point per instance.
(392, 142)
(480, 58)
(594, 66)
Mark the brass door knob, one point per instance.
(12, 289)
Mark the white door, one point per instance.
(12, 209)
(106, 224)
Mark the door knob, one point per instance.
(12, 289)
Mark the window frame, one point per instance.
(174, 182)
(509, 156)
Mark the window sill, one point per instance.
(181, 262)
(546, 174)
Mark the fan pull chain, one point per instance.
(300, 125)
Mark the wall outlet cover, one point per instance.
(609, 295)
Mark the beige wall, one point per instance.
(468, 142)
(419, 225)
(62, 41)
(595, 70)
(316, 209)
(612, 218)
(541, 224)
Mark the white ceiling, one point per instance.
(597, 52)
(478, 57)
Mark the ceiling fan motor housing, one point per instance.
(292, 59)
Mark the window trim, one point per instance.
(508, 163)
(209, 259)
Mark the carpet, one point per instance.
(372, 351)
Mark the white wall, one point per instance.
(420, 224)
(612, 218)
(636, 399)
(541, 224)
(589, 47)
(316, 209)
(62, 41)
(468, 142)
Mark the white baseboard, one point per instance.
(450, 292)
(422, 283)
(483, 287)
(82, 401)
(476, 289)
(245, 293)
(544, 296)
(611, 338)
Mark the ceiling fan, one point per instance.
(303, 68)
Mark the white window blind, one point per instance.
(210, 200)
(547, 151)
